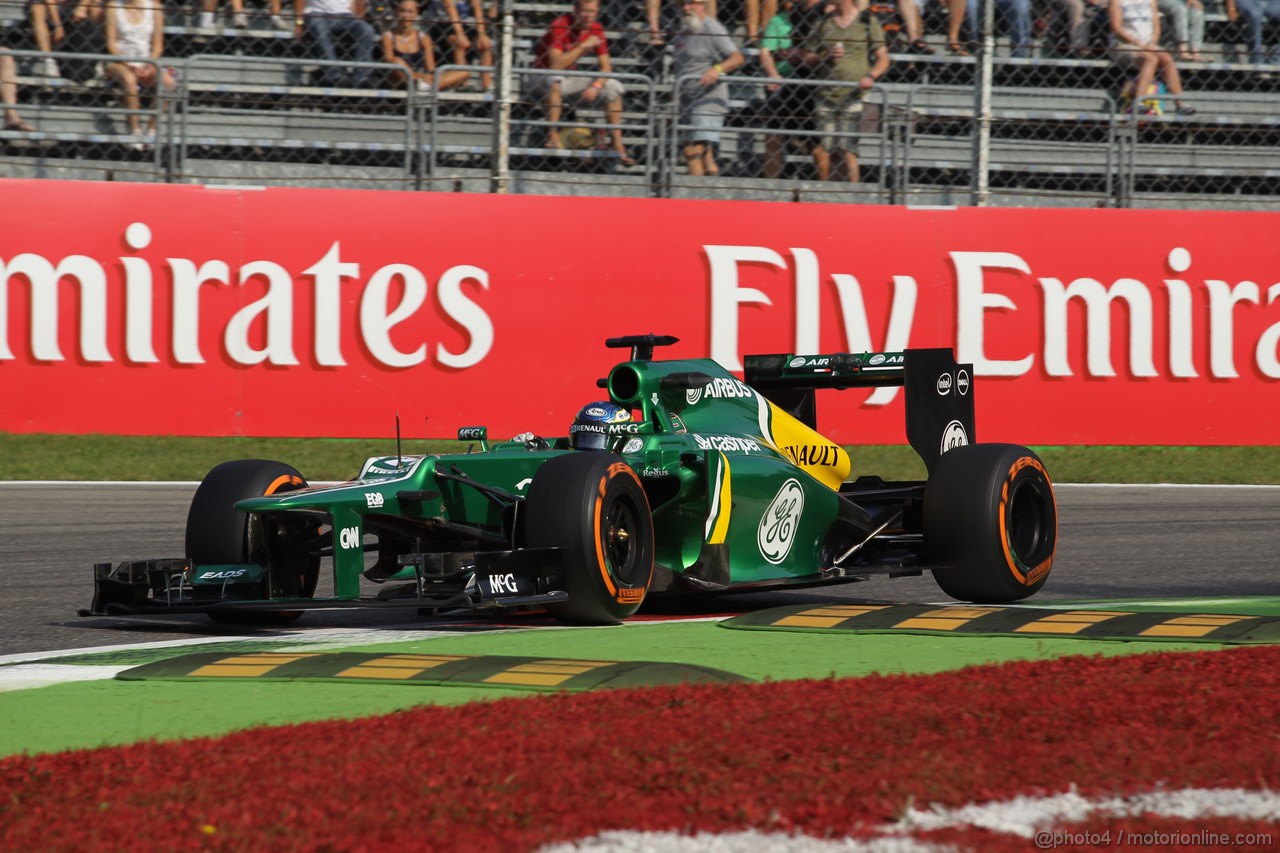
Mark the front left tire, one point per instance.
(218, 533)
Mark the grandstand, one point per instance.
(247, 110)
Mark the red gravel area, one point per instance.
(834, 757)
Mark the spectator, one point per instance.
(848, 47)
(1017, 17)
(1078, 17)
(899, 18)
(1135, 40)
(135, 30)
(9, 95)
(1186, 19)
(755, 14)
(238, 17)
(325, 21)
(777, 50)
(65, 26)
(458, 28)
(703, 53)
(783, 57)
(1255, 14)
(747, 10)
(569, 38)
(912, 14)
(411, 48)
(653, 14)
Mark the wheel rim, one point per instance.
(620, 533)
(1028, 523)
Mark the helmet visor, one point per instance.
(588, 440)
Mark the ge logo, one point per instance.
(781, 519)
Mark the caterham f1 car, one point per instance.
(687, 479)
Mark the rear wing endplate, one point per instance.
(939, 392)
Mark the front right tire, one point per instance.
(592, 504)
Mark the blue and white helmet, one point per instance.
(590, 429)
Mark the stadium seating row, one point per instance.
(246, 110)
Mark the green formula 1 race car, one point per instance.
(687, 479)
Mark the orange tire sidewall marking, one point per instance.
(284, 480)
(1039, 571)
(622, 595)
(597, 536)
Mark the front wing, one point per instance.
(477, 580)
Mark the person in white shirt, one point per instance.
(1135, 40)
(325, 21)
(135, 31)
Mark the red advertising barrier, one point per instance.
(152, 309)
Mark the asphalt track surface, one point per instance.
(1114, 542)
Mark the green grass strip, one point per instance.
(105, 457)
(97, 713)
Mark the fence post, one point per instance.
(500, 170)
(178, 148)
(980, 180)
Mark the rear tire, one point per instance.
(991, 518)
(592, 504)
(218, 533)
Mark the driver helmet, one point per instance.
(589, 430)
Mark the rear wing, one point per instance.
(939, 392)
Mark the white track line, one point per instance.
(1025, 816)
(31, 669)
(621, 841)
(1046, 819)
(28, 675)
(329, 637)
(325, 636)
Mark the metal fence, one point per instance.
(1052, 143)
(249, 105)
(272, 120)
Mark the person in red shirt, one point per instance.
(569, 38)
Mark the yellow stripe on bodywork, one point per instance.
(764, 415)
(827, 462)
(722, 502)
